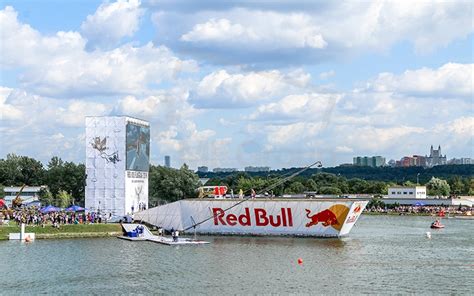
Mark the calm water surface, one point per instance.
(382, 255)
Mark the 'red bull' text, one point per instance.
(260, 217)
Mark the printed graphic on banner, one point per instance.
(138, 147)
(101, 146)
(334, 217)
(355, 213)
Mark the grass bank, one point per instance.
(65, 231)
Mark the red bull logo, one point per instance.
(326, 218)
(334, 217)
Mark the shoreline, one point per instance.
(65, 231)
(397, 214)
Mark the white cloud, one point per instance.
(111, 22)
(163, 107)
(308, 106)
(186, 143)
(8, 111)
(257, 36)
(295, 135)
(46, 126)
(259, 29)
(59, 65)
(449, 80)
(344, 149)
(380, 24)
(174, 130)
(57, 136)
(378, 138)
(463, 126)
(24, 46)
(75, 112)
(221, 89)
(219, 30)
(328, 74)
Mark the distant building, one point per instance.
(420, 160)
(409, 161)
(435, 158)
(224, 170)
(371, 161)
(28, 194)
(203, 169)
(392, 163)
(463, 160)
(407, 192)
(252, 169)
(167, 161)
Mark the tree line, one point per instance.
(330, 184)
(397, 175)
(66, 181)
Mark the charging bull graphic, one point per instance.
(326, 217)
(334, 217)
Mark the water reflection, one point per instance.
(382, 255)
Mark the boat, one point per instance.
(437, 225)
(331, 217)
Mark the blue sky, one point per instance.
(232, 84)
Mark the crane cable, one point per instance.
(262, 190)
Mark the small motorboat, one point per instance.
(437, 225)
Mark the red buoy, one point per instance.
(300, 261)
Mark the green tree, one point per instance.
(46, 197)
(311, 185)
(17, 170)
(66, 176)
(468, 186)
(63, 199)
(357, 185)
(330, 190)
(438, 187)
(456, 185)
(295, 188)
(170, 184)
(378, 187)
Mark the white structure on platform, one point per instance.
(117, 163)
(407, 192)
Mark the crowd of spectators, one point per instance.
(34, 217)
(414, 209)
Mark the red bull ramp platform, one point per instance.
(332, 217)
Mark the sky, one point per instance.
(240, 83)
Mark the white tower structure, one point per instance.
(117, 164)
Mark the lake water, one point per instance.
(382, 255)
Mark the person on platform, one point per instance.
(176, 235)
